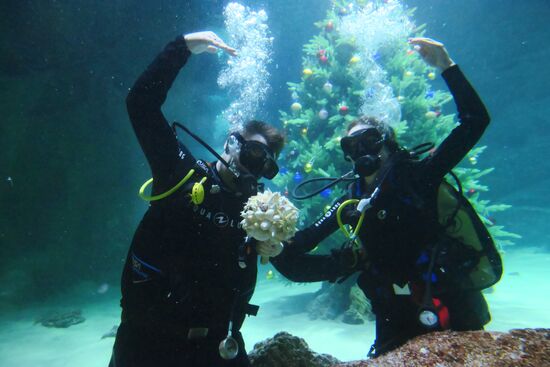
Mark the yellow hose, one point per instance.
(339, 215)
(164, 194)
(351, 236)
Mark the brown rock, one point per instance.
(285, 350)
(520, 347)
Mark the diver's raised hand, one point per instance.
(433, 52)
(200, 42)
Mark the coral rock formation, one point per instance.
(520, 347)
(288, 350)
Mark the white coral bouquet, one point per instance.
(270, 218)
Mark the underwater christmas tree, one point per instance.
(360, 63)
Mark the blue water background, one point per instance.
(70, 209)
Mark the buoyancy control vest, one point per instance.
(467, 255)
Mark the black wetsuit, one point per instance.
(397, 231)
(182, 269)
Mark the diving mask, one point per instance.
(256, 157)
(364, 142)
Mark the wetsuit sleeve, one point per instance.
(144, 102)
(309, 268)
(473, 120)
(294, 262)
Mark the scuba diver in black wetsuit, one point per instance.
(421, 252)
(189, 274)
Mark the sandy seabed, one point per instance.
(520, 300)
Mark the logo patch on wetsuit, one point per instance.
(402, 291)
(203, 166)
(220, 219)
(328, 214)
(142, 270)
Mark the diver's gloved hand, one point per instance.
(200, 42)
(433, 52)
(349, 258)
(268, 249)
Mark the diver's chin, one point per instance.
(370, 179)
(243, 171)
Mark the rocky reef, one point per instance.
(519, 347)
(288, 350)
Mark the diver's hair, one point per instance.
(275, 138)
(383, 128)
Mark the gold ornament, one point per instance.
(430, 115)
(296, 107)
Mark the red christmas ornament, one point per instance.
(323, 59)
(343, 110)
(321, 53)
(471, 192)
(329, 26)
